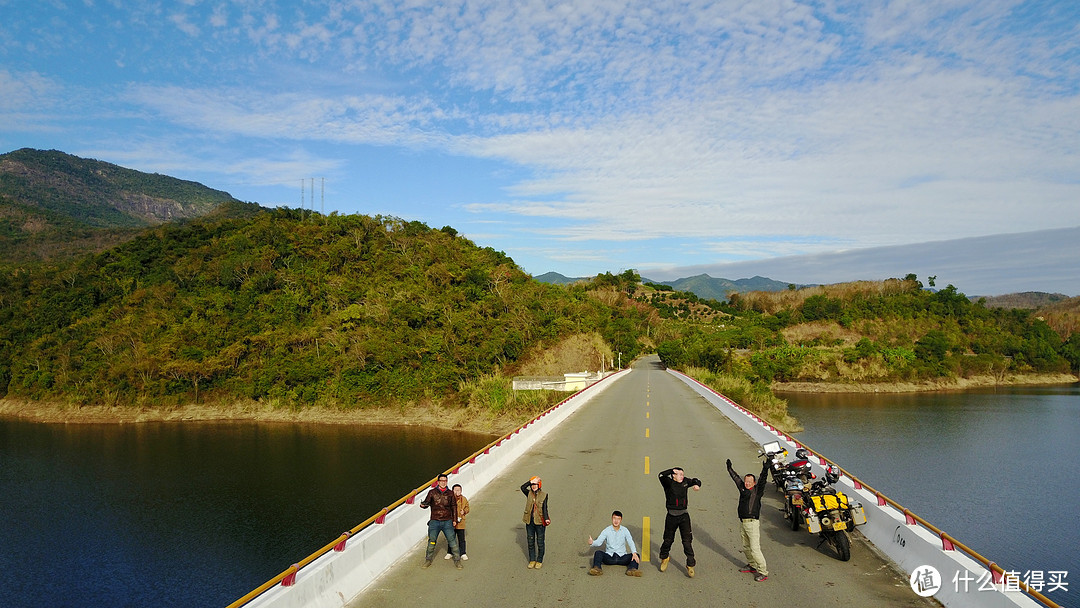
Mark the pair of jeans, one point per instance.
(535, 534)
(434, 527)
(600, 558)
(461, 539)
(682, 524)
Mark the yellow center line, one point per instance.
(644, 555)
(646, 414)
(646, 465)
(646, 431)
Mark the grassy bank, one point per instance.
(754, 397)
(488, 405)
(940, 384)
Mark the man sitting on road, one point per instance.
(618, 540)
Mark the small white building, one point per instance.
(570, 382)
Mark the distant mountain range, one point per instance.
(55, 205)
(1027, 299)
(702, 285)
(1038, 261)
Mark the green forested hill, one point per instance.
(338, 310)
(712, 288)
(874, 332)
(55, 205)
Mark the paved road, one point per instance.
(605, 457)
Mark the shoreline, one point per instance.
(413, 415)
(433, 416)
(941, 385)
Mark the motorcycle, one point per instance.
(776, 456)
(791, 478)
(830, 513)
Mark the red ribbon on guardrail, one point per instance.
(341, 544)
(290, 579)
(946, 543)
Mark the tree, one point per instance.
(932, 347)
(1070, 349)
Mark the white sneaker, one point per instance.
(464, 557)
(448, 556)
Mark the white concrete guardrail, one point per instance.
(338, 572)
(908, 540)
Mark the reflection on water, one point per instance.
(167, 514)
(995, 468)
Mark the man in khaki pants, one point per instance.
(749, 509)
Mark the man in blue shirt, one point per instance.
(618, 540)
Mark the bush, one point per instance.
(756, 397)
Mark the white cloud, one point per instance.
(761, 128)
(26, 91)
(180, 20)
(176, 158)
(366, 119)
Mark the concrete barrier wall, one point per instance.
(333, 579)
(908, 545)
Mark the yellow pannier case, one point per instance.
(828, 502)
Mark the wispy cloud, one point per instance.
(27, 91)
(366, 119)
(769, 128)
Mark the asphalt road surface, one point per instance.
(605, 457)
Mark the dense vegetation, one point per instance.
(227, 302)
(892, 331)
(340, 311)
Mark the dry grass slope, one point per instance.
(576, 353)
(1062, 317)
(771, 302)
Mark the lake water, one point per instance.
(166, 514)
(997, 469)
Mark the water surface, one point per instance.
(175, 514)
(995, 468)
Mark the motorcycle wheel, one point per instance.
(842, 544)
(796, 518)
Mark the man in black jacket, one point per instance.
(749, 510)
(676, 485)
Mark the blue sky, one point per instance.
(580, 137)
